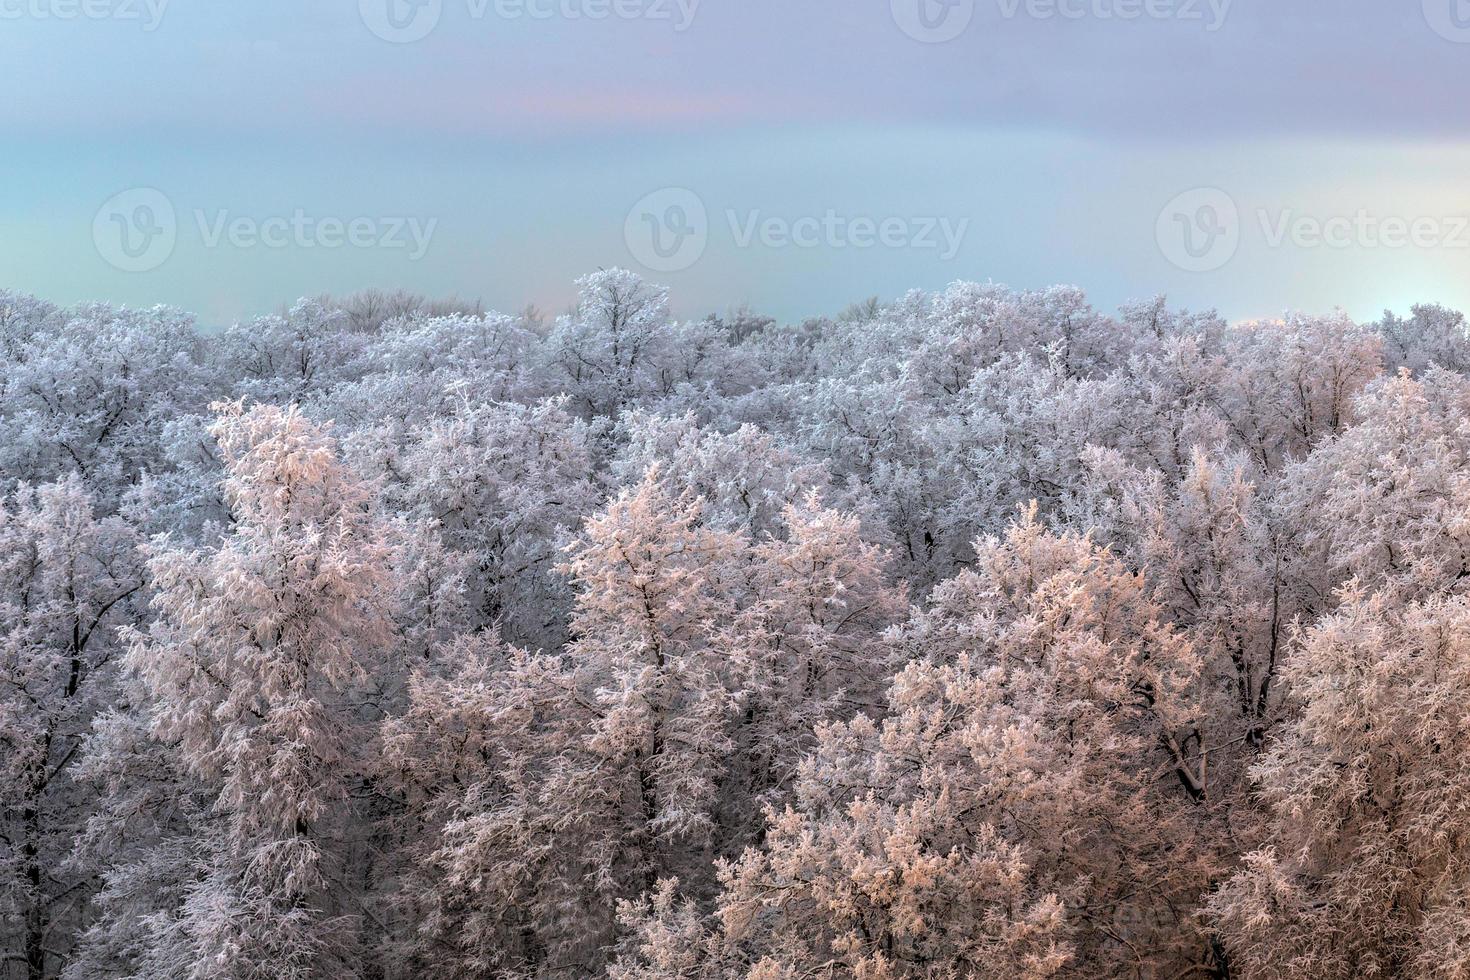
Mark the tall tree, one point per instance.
(1366, 872)
(1034, 802)
(254, 673)
(68, 579)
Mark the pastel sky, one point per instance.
(1249, 155)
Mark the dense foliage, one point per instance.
(978, 635)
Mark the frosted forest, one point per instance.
(976, 634)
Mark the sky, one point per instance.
(1251, 156)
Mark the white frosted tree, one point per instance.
(304, 353)
(620, 347)
(68, 579)
(506, 484)
(250, 670)
(1366, 871)
(89, 391)
(1387, 501)
(1432, 335)
(417, 370)
(1034, 801)
(747, 476)
(1284, 387)
(1223, 567)
(512, 854)
(555, 786)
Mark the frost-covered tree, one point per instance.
(89, 391)
(506, 484)
(701, 661)
(620, 346)
(257, 670)
(1432, 335)
(747, 477)
(1284, 387)
(1037, 795)
(1366, 871)
(1387, 501)
(511, 855)
(1221, 566)
(68, 580)
(305, 352)
(605, 764)
(417, 370)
